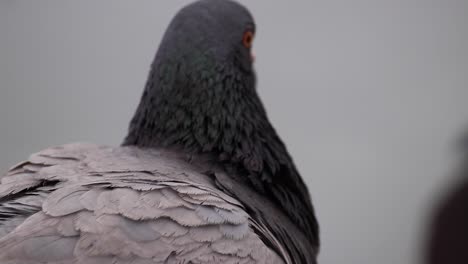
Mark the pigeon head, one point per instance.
(211, 33)
(201, 88)
(200, 97)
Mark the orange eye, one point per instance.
(247, 40)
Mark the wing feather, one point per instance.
(83, 203)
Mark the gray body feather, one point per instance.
(202, 176)
(83, 203)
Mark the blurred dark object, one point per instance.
(448, 237)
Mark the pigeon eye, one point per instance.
(247, 40)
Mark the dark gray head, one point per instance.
(200, 97)
(220, 32)
(201, 88)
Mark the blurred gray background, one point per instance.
(370, 98)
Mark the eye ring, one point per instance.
(247, 39)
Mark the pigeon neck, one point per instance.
(221, 114)
(203, 107)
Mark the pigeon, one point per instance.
(201, 177)
(447, 237)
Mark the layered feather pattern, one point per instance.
(83, 203)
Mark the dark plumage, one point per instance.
(201, 96)
(448, 233)
(200, 102)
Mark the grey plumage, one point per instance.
(124, 205)
(201, 177)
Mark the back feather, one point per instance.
(83, 203)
